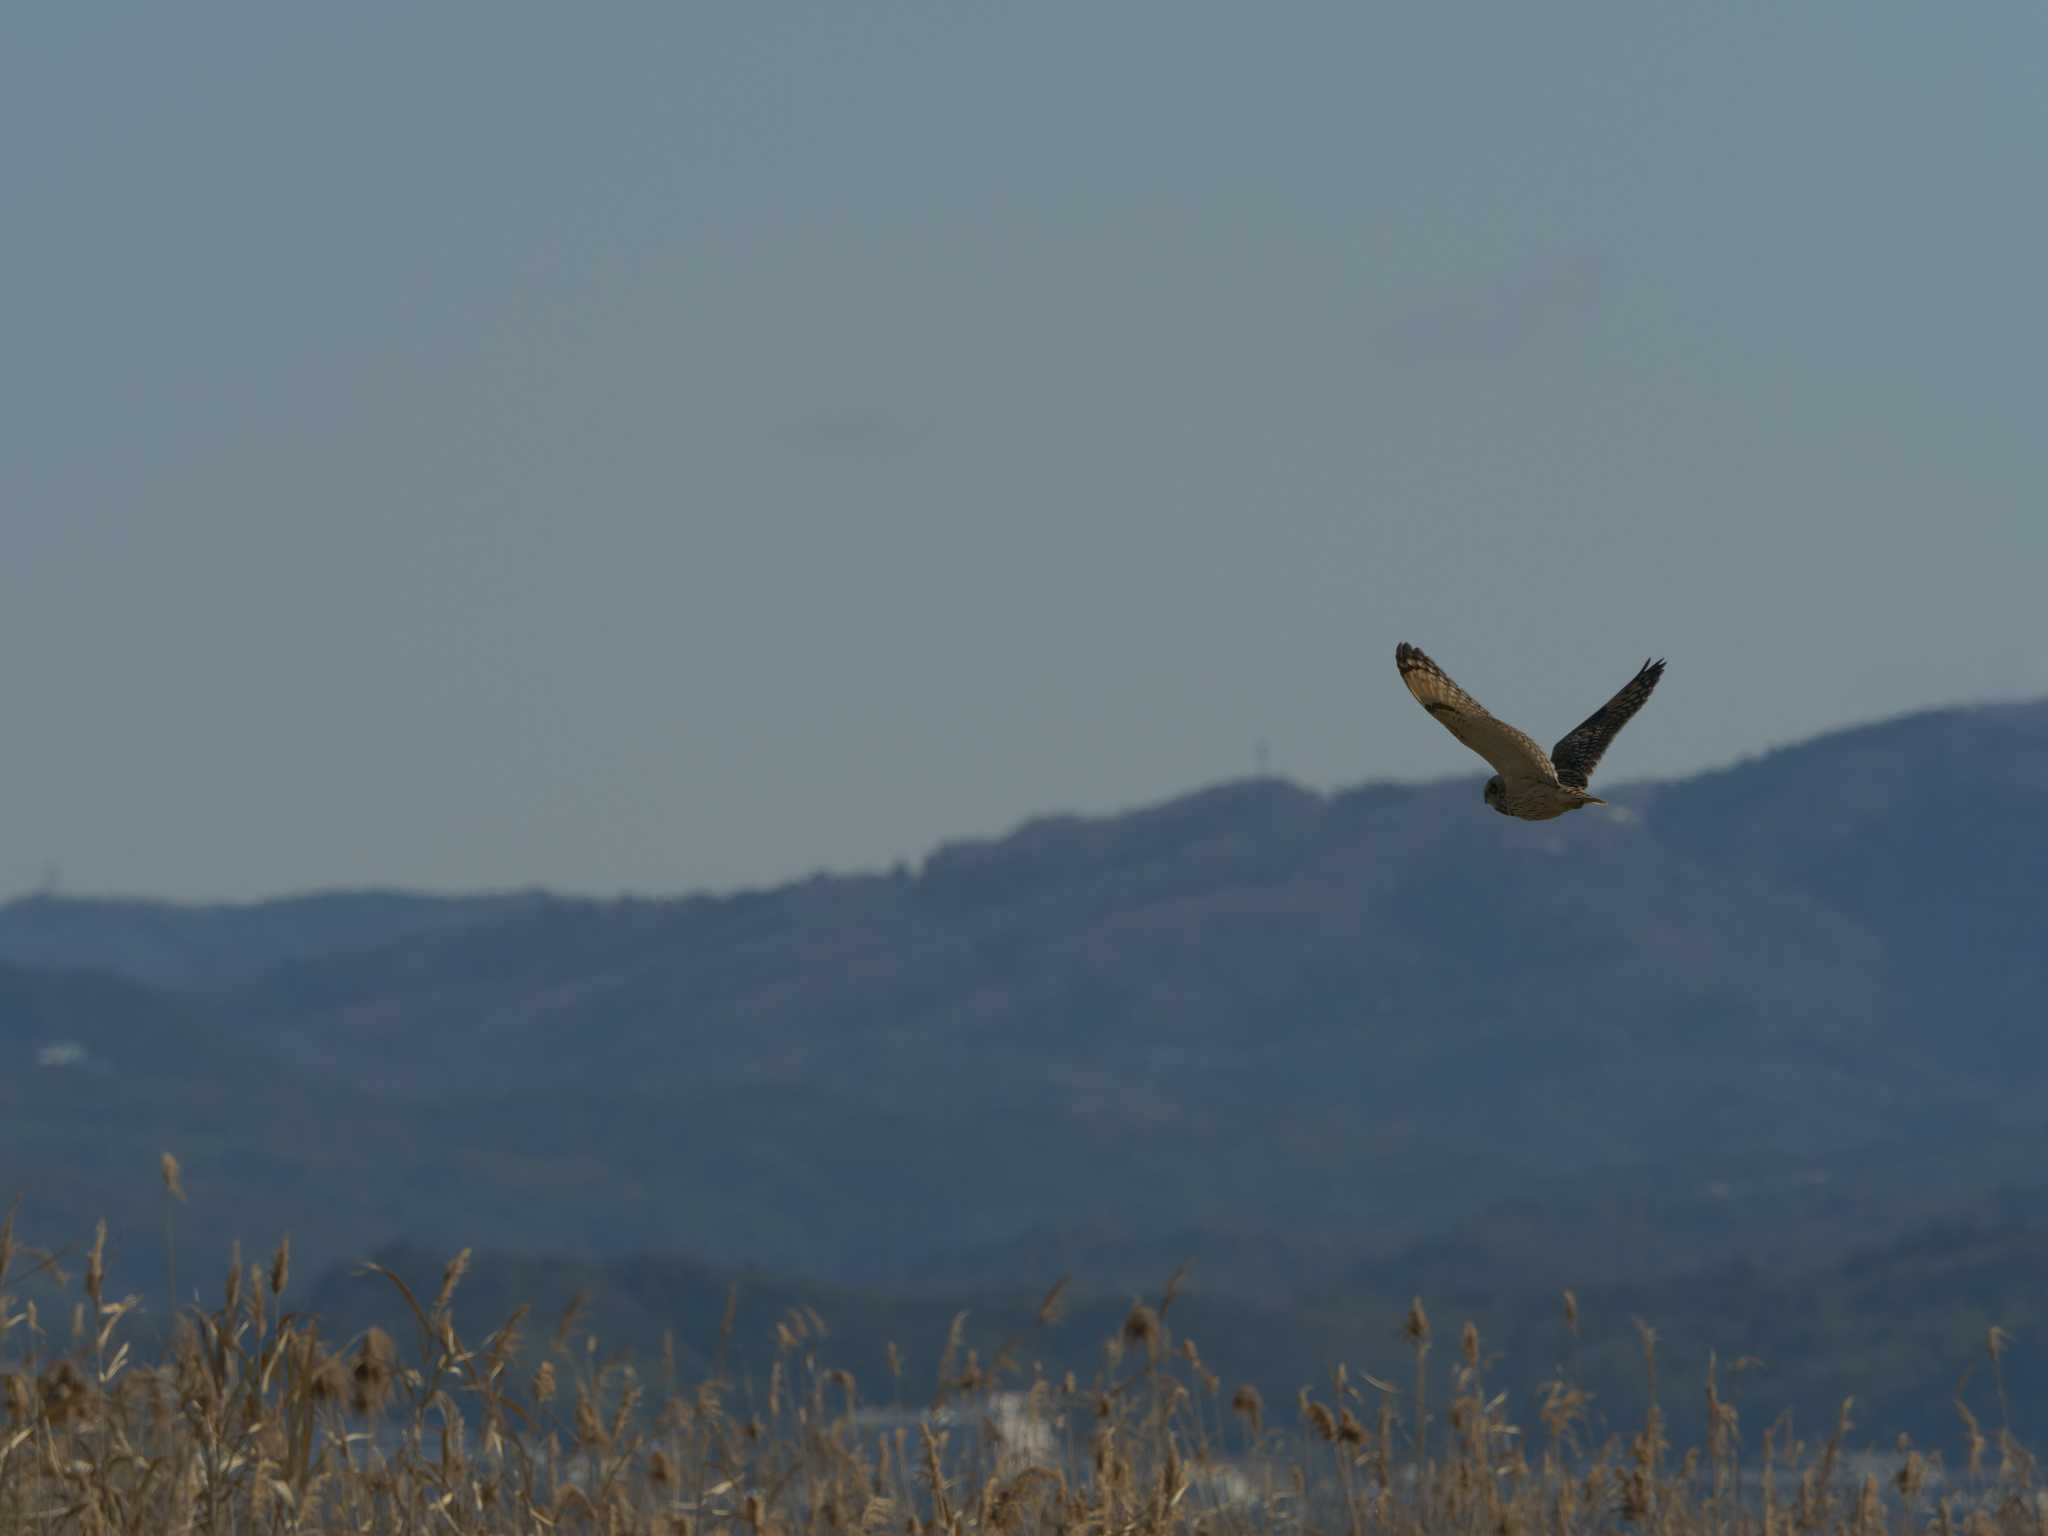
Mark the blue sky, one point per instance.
(657, 447)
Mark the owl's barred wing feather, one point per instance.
(1580, 752)
(1513, 754)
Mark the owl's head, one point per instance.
(1496, 793)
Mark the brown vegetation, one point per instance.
(252, 1421)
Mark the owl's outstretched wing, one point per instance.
(1579, 753)
(1512, 753)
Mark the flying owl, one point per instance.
(1526, 783)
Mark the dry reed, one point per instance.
(250, 1421)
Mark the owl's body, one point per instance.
(1535, 800)
(1528, 783)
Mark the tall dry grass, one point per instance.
(250, 1420)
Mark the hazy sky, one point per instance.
(661, 446)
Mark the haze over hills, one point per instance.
(160, 941)
(1333, 1048)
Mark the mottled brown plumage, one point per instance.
(1528, 782)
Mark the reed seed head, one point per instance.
(1248, 1405)
(1321, 1420)
(1141, 1326)
(370, 1375)
(281, 1265)
(1417, 1325)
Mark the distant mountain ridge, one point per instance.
(1301, 1036)
(177, 942)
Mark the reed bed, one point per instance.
(249, 1420)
